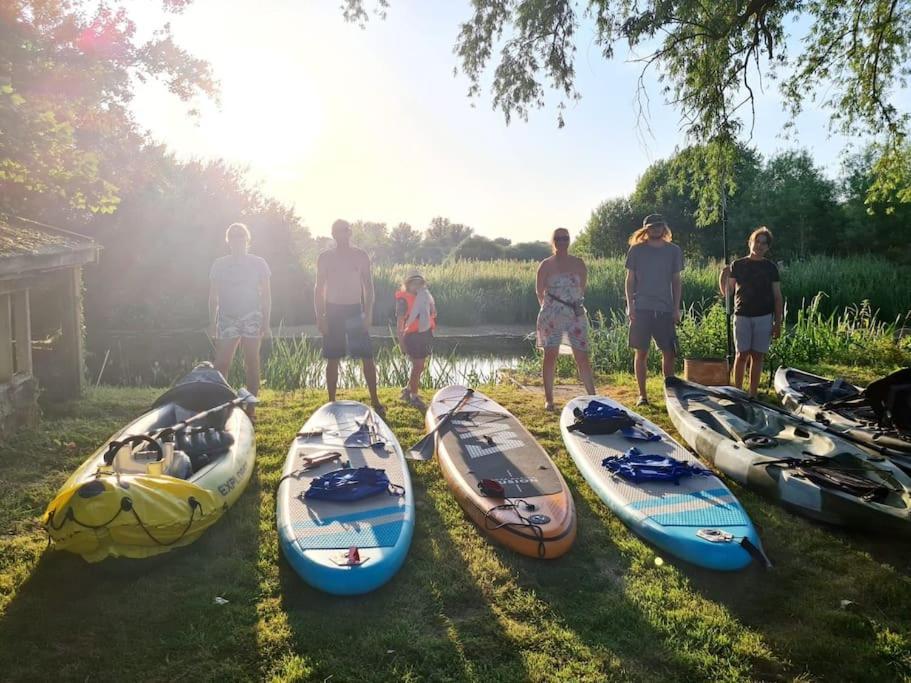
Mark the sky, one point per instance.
(371, 124)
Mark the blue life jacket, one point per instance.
(636, 433)
(638, 467)
(600, 418)
(347, 485)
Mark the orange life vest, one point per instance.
(409, 304)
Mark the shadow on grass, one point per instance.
(835, 610)
(646, 613)
(622, 602)
(152, 619)
(428, 622)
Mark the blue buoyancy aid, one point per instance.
(638, 467)
(347, 485)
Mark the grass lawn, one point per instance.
(460, 609)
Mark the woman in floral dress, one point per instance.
(563, 320)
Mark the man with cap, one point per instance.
(653, 294)
(343, 299)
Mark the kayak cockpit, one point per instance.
(146, 447)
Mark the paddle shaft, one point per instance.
(422, 444)
(180, 426)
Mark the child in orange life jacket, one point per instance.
(415, 313)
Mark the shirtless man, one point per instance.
(343, 300)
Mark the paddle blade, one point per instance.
(423, 449)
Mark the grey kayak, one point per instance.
(791, 460)
(840, 407)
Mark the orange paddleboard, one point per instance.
(503, 479)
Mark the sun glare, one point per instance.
(267, 118)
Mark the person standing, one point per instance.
(343, 300)
(560, 286)
(415, 314)
(240, 305)
(653, 296)
(758, 306)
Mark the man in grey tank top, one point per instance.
(653, 294)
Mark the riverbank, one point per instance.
(837, 606)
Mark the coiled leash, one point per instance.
(491, 488)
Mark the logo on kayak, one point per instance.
(231, 484)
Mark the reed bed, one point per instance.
(502, 292)
(857, 335)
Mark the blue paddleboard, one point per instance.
(698, 520)
(345, 547)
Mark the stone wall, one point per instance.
(18, 403)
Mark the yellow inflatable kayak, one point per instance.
(162, 480)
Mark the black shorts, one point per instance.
(656, 325)
(418, 344)
(345, 333)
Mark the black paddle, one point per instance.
(243, 397)
(423, 449)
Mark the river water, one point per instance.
(158, 358)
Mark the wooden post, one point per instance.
(22, 332)
(6, 340)
(74, 372)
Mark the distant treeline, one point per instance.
(808, 213)
(160, 243)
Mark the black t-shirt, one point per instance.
(753, 294)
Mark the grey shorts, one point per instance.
(249, 326)
(346, 335)
(753, 333)
(418, 344)
(656, 325)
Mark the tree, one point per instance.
(798, 204)
(404, 242)
(445, 234)
(709, 57)
(477, 248)
(528, 251)
(67, 69)
(869, 228)
(683, 188)
(608, 228)
(372, 238)
(429, 254)
(161, 241)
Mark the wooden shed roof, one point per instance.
(28, 247)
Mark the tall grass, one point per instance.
(857, 335)
(502, 292)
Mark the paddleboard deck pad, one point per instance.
(352, 546)
(697, 520)
(503, 479)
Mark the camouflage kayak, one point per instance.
(844, 409)
(793, 461)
